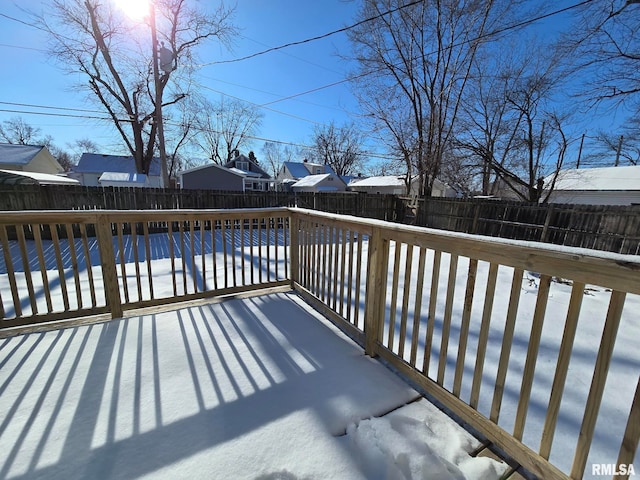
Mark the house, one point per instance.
(596, 186)
(28, 158)
(240, 175)
(92, 167)
(395, 185)
(291, 172)
(326, 182)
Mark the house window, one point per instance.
(330, 179)
(318, 170)
(242, 165)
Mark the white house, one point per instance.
(597, 186)
(327, 182)
(92, 167)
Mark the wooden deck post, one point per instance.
(108, 263)
(294, 245)
(375, 297)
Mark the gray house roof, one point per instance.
(98, 163)
(11, 154)
(254, 168)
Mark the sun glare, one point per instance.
(135, 9)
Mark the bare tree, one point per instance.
(275, 154)
(605, 44)
(114, 54)
(17, 131)
(224, 127)
(339, 147)
(414, 65)
(616, 148)
(70, 156)
(509, 133)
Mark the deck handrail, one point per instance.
(380, 282)
(394, 324)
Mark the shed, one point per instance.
(327, 182)
(596, 186)
(387, 184)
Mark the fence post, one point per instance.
(108, 263)
(375, 297)
(547, 221)
(294, 245)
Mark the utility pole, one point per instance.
(158, 100)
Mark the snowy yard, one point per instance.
(260, 388)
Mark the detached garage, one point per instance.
(597, 186)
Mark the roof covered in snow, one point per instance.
(301, 169)
(311, 180)
(381, 181)
(608, 178)
(15, 177)
(11, 154)
(244, 173)
(99, 163)
(138, 178)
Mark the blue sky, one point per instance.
(29, 77)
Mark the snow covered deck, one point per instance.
(534, 346)
(261, 387)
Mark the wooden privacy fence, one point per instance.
(613, 228)
(76, 197)
(504, 335)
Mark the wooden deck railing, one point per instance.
(465, 318)
(61, 265)
(431, 311)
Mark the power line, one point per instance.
(55, 114)
(30, 105)
(318, 37)
(90, 117)
(6, 45)
(460, 44)
(281, 142)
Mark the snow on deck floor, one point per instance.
(260, 388)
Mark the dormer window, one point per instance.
(318, 170)
(242, 165)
